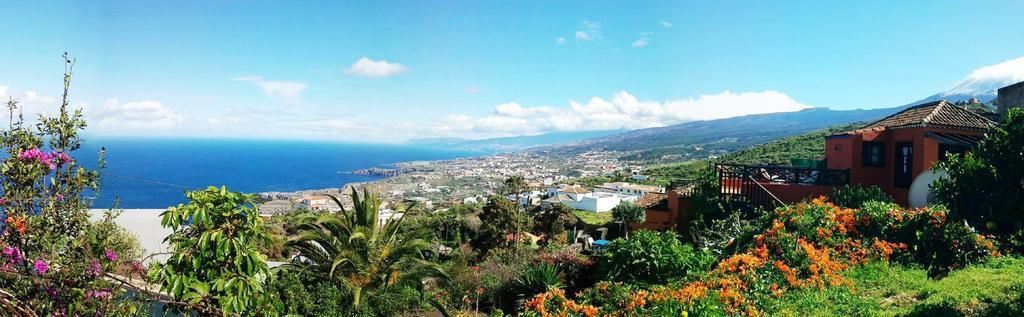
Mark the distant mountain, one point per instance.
(983, 82)
(510, 144)
(702, 139)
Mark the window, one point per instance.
(874, 154)
(947, 149)
(903, 173)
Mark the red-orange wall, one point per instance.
(848, 156)
(790, 193)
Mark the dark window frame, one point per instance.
(945, 149)
(903, 161)
(869, 158)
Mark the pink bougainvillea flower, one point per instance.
(111, 255)
(103, 294)
(41, 267)
(12, 254)
(63, 157)
(94, 268)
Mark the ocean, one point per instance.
(155, 173)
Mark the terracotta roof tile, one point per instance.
(651, 199)
(939, 114)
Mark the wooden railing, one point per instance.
(743, 185)
(784, 174)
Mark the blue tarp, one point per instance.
(601, 242)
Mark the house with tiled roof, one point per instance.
(891, 152)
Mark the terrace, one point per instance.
(748, 187)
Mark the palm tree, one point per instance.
(354, 250)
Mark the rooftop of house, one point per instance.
(939, 114)
(574, 189)
(653, 201)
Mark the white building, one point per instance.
(526, 198)
(629, 189)
(386, 214)
(580, 198)
(598, 201)
(318, 202)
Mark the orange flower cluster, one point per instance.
(553, 303)
(807, 245)
(886, 248)
(18, 223)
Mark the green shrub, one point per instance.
(214, 263)
(986, 186)
(538, 279)
(650, 257)
(855, 196)
(293, 293)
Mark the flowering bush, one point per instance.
(805, 246)
(49, 265)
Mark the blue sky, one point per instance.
(481, 68)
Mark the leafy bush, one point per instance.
(577, 269)
(214, 263)
(291, 292)
(650, 257)
(855, 196)
(705, 194)
(720, 234)
(628, 213)
(986, 186)
(552, 222)
(500, 218)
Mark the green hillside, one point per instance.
(809, 145)
(805, 146)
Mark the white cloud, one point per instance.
(136, 115)
(30, 103)
(665, 24)
(32, 97)
(588, 31)
(471, 89)
(641, 42)
(286, 90)
(369, 68)
(989, 78)
(622, 110)
(644, 40)
(560, 40)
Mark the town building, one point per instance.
(583, 199)
(890, 153)
(629, 189)
(318, 203)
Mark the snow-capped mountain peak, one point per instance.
(983, 82)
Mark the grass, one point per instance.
(995, 288)
(594, 218)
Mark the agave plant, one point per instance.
(355, 250)
(539, 279)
